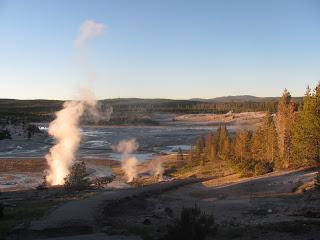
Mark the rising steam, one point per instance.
(89, 29)
(129, 163)
(157, 170)
(65, 129)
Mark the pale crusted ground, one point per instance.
(232, 119)
(267, 207)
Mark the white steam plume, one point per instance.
(89, 29)
(128, 162)
(156, 169)
(65, 129)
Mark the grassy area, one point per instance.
(187, 170)
(218, 169)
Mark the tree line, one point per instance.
(193, 107)
(43, 110)
(288, 138)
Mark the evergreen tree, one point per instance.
(271, 150)
(223, 143)
(211, 150)
(258, 145)
(211, 147)
(242, 159)
(264, 141)
(241, 149)
(191, 156)
(200, 150)
(306, 138)
(284, 124)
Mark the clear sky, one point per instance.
(160, 49)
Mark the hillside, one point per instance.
(241, 98)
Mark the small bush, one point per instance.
(98, 182)
(262, 168)
(76, 179)
(32, 129)
(192, 225)
(246, 167)
(249, 167)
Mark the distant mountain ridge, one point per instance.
(237, 98)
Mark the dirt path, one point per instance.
(79, 216)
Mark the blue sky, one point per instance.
(160, 49)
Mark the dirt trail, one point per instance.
(80, 216)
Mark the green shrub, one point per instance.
(76, 179)
(192, 225)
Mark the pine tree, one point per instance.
(264, 141)
(211, 147)
(191, 156)
(284, 124)
(241, 149)
(271, 150)
(200, 150)
(306, 138)
(223, 143)
(258, 145)
(242, 160)
(211, 150)
(209, 143)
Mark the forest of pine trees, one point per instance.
(287, 139)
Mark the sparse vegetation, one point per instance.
(76, 179)
(192, 225)
(99, 181)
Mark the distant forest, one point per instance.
(43, 110)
